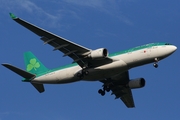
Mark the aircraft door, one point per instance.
(149, 51)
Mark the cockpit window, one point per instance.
(167, 44)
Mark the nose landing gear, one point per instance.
(155, 65)
(156, 62)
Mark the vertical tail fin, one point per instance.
(33, 65)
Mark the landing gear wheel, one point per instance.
(155, 65)
(106, 88)
(99, 91)
(86, 72)
(102, 92)
(80, 75)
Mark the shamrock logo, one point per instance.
(33, 65)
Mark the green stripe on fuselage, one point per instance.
(137, 48)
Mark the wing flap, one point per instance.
(125, 95)
(128, 98)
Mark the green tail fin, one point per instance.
(33, 65)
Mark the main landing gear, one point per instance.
(156, 62)
(106, 88)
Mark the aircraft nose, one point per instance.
(175, 48)
(172, 49)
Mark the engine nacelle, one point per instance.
(137, 83)
(99, 53)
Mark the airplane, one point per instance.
(112, 70)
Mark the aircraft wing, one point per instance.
(120, 90)
(73, 50)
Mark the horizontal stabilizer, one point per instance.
(39, 87)
(19, 71)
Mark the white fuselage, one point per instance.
(120, 64)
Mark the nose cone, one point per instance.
(165, 51)
(175, 48)
(171, 49)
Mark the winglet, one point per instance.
(12, 16)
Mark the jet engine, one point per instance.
(137, 83)
(98, 53)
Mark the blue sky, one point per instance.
(112, 24)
